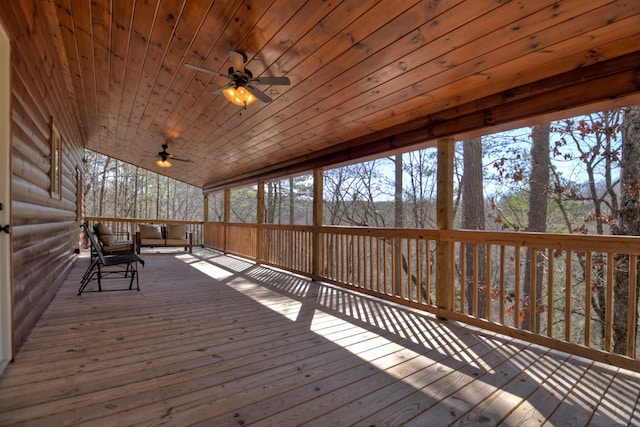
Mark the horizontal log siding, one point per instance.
(399, 265)
(44, 228)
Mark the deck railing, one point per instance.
(576, 293)
(573, 299)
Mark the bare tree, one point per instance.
(421, 167)
(628, 225)
(473, 219)
(537, 221)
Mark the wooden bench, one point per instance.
(163, 236)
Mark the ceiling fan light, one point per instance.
(239, 96)
(163, 163)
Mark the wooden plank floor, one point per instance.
(216, 341)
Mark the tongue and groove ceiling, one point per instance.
(366, 76)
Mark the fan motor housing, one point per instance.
(242, 78)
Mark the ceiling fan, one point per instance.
(165, 156)
(241, 90)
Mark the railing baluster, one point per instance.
(409, 294)
(567, 294)
(463, 277)
(384, 267)
(587, 299)
(516, 299)
(501, 285)
(533, 292)
(378, 264)
(476, 282)
(550, 289)
(608, 339)
(487, 282)
(428, 273)
(419, 264)
(359, 261)
(632, 310)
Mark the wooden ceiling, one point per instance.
(366, 76)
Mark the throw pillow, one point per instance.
(176, 231)
(104, 233)
(150, 231)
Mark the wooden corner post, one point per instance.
(444, 219)
(205, 208)
(227, 217)
(318, 207)
(205, 219)
(260, 221)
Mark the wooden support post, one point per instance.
(259, 220)
(318, 207)
(227, 216)
(205, 216)
(444, 219)
(205, 207)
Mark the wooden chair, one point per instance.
(123, 265)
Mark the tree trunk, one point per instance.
(537, 221)
(135, 191)
(473, 219)
(291, 201)
(268, 206)
(399, 223)
(398, 206)
(628, 225)
(157, 196)
(103, 183)
(116, 176)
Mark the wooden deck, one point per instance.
(213, 340)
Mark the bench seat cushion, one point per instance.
(177, 242)
(164, 242)
(151, 242)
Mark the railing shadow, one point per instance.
(504, 366)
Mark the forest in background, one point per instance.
(113, 188)
(574, 169)
(572, 166)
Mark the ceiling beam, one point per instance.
(609, 82)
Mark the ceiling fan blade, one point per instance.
(205, 70)
(272, 81)
(259, 94)
(237, 61)
(181, 160)
(221, 88)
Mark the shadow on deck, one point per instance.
(217, 340)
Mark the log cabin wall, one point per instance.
(45, 226)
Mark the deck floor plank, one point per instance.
(216, 340)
